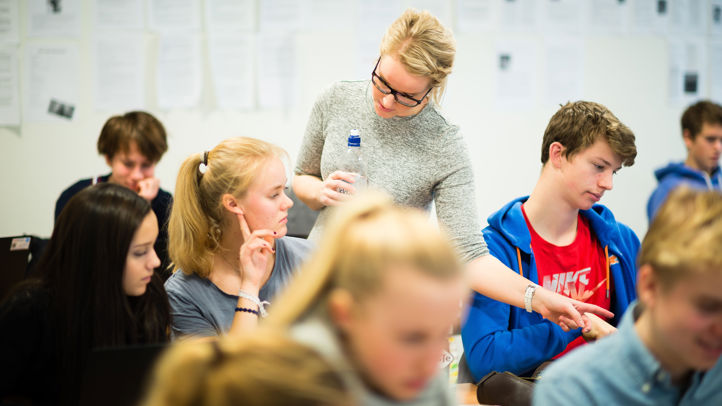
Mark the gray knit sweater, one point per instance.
(416, 159)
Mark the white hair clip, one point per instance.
(203, 166)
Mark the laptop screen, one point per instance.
(118, 376)
(14, 255)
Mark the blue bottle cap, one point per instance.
(354, 140)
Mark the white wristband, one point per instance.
(528, 296)
(255, 300)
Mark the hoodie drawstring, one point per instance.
(708, 180)
(606, 256)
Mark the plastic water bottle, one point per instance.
(353, 162)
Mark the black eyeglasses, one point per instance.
(400, 97)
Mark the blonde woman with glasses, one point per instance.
(415, 154)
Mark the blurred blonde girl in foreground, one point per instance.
(261, 369)
(378, 300)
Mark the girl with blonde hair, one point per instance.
(227, 237)
(262, 369)
(378, 300)
(415, 154)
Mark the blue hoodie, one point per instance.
(500, 337)
(670, 176)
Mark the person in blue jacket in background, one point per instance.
(558, 237)
(702, 135)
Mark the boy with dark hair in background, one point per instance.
(702, 135)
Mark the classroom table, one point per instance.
(466, 394)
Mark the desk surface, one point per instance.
(466, 394)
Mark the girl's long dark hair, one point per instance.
(82, 270)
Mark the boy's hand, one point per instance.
(148, 188)
(599, 328)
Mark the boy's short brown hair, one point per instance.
(138, 127)
(577, 125)
(685, 235)
(698, 114)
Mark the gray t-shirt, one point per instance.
(416, 159)
(200, 308)
(316, 333)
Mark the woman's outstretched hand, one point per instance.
(566, 312)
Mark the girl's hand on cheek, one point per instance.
(255, 252)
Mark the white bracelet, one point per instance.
(528, 296)
(261, 304)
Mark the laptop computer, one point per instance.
(118, 376)
(14, 257)
(300, 217)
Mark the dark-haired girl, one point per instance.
(95, 288)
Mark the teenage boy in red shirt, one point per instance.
(561, 239)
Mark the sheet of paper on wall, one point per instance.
(650, 17)
(327, 15)
(515, 67)
(54, 18)
(519, 15)
(9, 86)
(231, 59)
(174, 15)
(372, 20)
(119, 15)
(280, 15)
(119, 63)
(366, 55)
(688, 17)
(9, 21)
(564, 74)
(275, 70)
(715, 71)
(50, 83)
(473, 16)
(687, 71)
(440, 9)
(178, 71)
(376, 15)
(562, 16)
(223, 16)
(608, 16)
(715, 18)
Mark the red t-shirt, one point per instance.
(578, 270)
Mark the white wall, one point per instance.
(628, 73)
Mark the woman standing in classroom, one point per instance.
(414, 154)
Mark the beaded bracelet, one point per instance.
(247, 310)
(261, 304)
